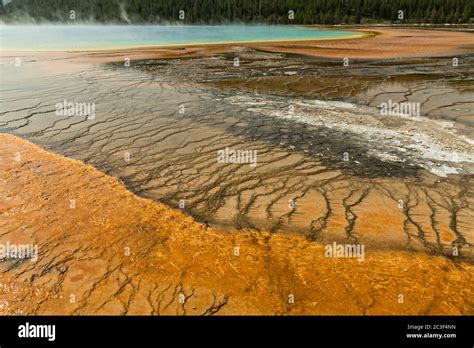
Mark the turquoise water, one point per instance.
(105, 37)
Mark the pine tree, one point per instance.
(434, 16)
(252, 11)
(466, 14)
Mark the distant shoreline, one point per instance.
(356, 35)
(371, 43)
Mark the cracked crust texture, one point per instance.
(116, 253)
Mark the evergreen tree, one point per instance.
(242, 11)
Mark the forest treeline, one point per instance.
(239, 11)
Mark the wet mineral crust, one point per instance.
(115, 253)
